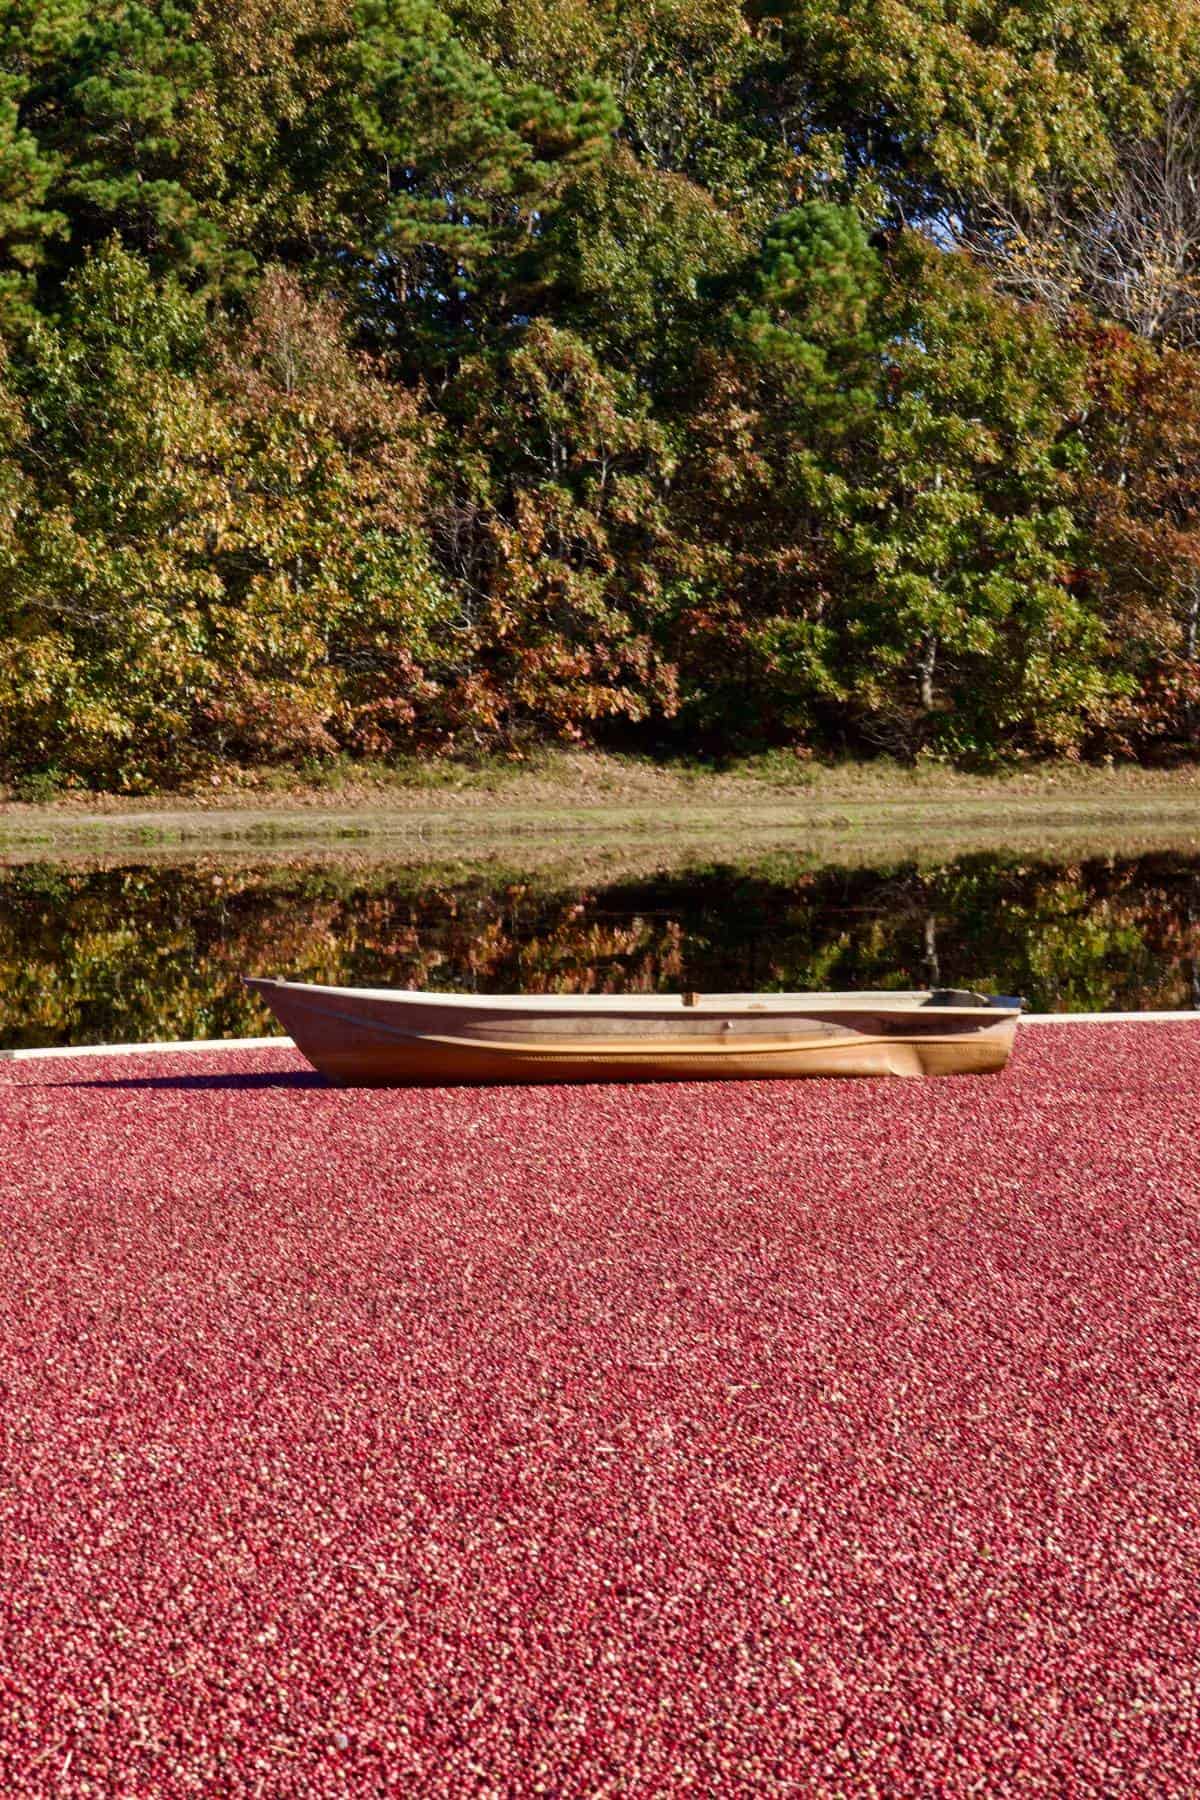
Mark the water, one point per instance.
(129, 953)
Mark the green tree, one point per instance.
(914, 107)
(384, 372)
(109, 98)
(898, 478)
(777, 415)
(959, 524)
(216, 546)
(102, 644)
(433, 177)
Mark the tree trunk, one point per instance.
(925, 669)
(1191, 624)
(1191, 643)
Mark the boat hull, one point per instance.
(365, 1038)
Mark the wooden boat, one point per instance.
(391, 1037)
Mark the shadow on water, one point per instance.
(142, 953)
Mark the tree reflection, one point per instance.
(129, 953)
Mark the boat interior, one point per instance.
(898, 999)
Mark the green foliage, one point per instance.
(388, 375)
(109, 93)
(816, 291)
(215, 547)
(682, 74)
(915, 105)
(635, 258)
(908, 460)
(102, 607)
(958, 521)
(440, 177)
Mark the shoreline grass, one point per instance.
(580, 806)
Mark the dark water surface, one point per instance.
(122, 954)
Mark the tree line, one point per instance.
(383, 376)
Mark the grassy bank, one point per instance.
(586, 806)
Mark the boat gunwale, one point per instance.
(667, 1006)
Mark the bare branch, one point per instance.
(1128, 249)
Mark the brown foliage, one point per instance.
(1144, 498)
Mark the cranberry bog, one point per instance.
(754, 1438)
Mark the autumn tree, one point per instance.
(1143, 559)
(556, 561)
(216, 543)
(455, 373)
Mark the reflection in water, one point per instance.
(122, 954)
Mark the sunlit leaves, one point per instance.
(1142, 565)
(905, 436)
(454, 372)
(563, 557)
(225, 559)
(913, 104)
